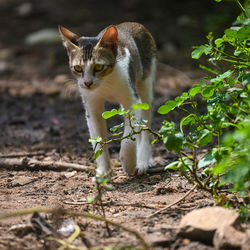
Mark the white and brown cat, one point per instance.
(118, 65)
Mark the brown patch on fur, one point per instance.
(110, 38)
(68, 35)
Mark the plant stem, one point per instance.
(74, 213)
(99, 190)
(241, 7)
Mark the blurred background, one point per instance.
(36, 110)
(176, 26)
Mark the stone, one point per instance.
(159, 240)
(227, 237)
(246, 242)
(201, 224)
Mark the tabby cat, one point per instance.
(118, 65)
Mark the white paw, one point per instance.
(151, 162)
(142, 167)
(105, 173)
(128, 169)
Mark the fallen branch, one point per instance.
(154, 170)
(33, 164)
(16, 155)
(110, 203)
(74, 213)
(174, 203)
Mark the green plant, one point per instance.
(101, 185)
(136, 127)
(224, 128)
(225, 93)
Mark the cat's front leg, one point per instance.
(144, 146)
(128, 152)
(97, 127)
(144, 153)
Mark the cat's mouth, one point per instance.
(90, 87)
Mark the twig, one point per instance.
(33, 164)
(74, 213)
(79, 203)
(99, 190)
(16, 155)
(174, 203)
(154, 170)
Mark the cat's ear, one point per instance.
(69, 38)
(109, 38)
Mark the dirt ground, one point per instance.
(42, 118)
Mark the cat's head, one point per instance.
(91, 58)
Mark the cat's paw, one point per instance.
(128, 169)
(142, 167)
(107, 174)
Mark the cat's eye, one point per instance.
(78, 68)
(98, 67)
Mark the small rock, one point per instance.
(70, 174)
(22, 181)
(164, 190)
(228, 237)
(201, 224)
(24, 9)
(67, 227)
(43, 36)
(246, 242)
(21, 230)
(5, 68)
(159, 240)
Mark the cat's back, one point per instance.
(136, 32)
(140, 43)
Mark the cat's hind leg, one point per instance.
(128, 153)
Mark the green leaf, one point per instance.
(231, 33)
(91, 200)
(115, 128)
(246, 79)
(237, 52)
(140, 106)
(170, 105)
(244, 33)
(95, 139)
(109, 114)
(174, 142)
(154, 141)
(97, 153)
(206, 137)
(221, 77)
(207, 159)
(197, 53)
(194, 90)
(234, 89)
(208, 69)
(173, 166)
(218, 42)
(208, 49)
(102, 180)
(208, 91)
(186, 120)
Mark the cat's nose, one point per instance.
(88, 84)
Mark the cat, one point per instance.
(118, 65)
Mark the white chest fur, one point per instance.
(115, 87)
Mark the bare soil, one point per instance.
(42, 118)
